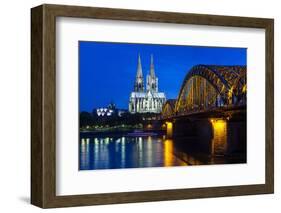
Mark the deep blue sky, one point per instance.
(107, 70)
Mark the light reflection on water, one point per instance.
(127, 152)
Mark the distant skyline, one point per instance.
(107, 70)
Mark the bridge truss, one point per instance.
(209, 86)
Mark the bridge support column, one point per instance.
(183, 128)
(201, 128)
(236, 137)
(169, 129)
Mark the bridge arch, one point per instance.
(168, 109)
(207, 86)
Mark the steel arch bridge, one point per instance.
(208, 87)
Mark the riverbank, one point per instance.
(120, 132)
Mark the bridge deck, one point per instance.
(217, 111)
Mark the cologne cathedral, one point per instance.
(146, 99)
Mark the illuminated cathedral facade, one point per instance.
(146, 99)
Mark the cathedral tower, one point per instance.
(147, 100)
(151, 79)
(139, 82)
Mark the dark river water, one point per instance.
(115, 152)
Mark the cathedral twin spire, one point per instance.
(145, 97)
(152, 72)
(152, 81)
(139, 83)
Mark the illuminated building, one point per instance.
(149, 99)
(104, 112)
(110, 111)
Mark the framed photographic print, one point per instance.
(136, 106)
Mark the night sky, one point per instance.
(107, 70)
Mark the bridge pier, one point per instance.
(217, 136)
(191, 128)
(169, 129)
(236, 137)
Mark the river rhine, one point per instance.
(123, 151)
